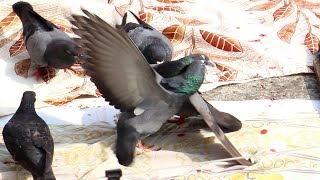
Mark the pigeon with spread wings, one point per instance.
(126, 80)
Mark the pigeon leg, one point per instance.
(203, 109)
(44, 73)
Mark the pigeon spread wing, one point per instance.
(115, 65)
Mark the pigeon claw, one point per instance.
(98, 93)
(141, 145)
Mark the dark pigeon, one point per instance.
(226, 121)
(153, 45)
(128, 82)
(47, 45)
(29, 141)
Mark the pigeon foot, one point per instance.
(44, 73)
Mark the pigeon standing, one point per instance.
(127, 81)
(153, 45)
(29, 141)
(47, 45)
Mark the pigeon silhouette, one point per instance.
(226, 121)
(127, 81)
(47, 45)
(153, 45)
(29, 141)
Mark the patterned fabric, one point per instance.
(283, 145)
(247, 39)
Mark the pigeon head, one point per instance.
(27, 102)
(21, 6)
(61, 54)
(201, 57)
(29, 96)
(154, 53)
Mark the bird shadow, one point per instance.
(193, 138)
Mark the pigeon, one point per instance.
(29, 141)
(219, 122)
(129, 83)
(47, 45)
(227, 122)
(153, 45)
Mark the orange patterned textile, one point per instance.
(246, 40)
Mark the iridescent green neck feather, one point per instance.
(191, 85)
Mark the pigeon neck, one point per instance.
(26, 107)
(186, 60)
(191, 85)
(192, 78)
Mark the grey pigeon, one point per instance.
(47, 45)
(153, 45)
(29, 141)
(127, 81)
(226, 121)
